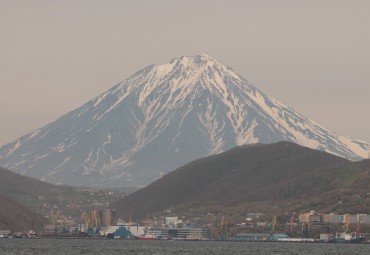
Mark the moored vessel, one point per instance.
(146, 236)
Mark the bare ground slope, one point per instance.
(282, 173)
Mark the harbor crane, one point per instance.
(88, 223)
(129, 223)
(289, 231)
(95, 221)
(64, 227)
(307, 227)
(272, 228)
(223, 228)
(357, 227)
(347, 224)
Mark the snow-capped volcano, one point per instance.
(159, 119)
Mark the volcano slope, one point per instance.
(160, 118)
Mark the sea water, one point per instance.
(100, 246)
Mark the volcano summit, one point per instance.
(160, 118)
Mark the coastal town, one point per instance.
(310, 226)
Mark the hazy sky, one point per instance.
(311, 55)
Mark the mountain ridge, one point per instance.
(160, 118)
(16, 217)
(42, 197)
(283, 174)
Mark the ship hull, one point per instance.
(145, 238)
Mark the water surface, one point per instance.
(90, 246)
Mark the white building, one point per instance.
(364, 219)
(171, 220)
(4, 232)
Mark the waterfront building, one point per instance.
(337, 219)
(251, 216)
(171, 220)
(326, 218)
(4, 232)
(261, 223)
(186, 233)
(317, 218)
(156, 232)
(364, 219)
(49, 229)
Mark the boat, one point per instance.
(146, 236)
(193, 238)
(350, 238)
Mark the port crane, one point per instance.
(95, 221)
(289, 231)
(221, 225)
(55, 221)
(272, 228)
(223, 228)
(307, 227)
(64, 227)
(88, 223)
(92, 224)
(357, 227)
(146, 223)
(347, 224)
(129, 223)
